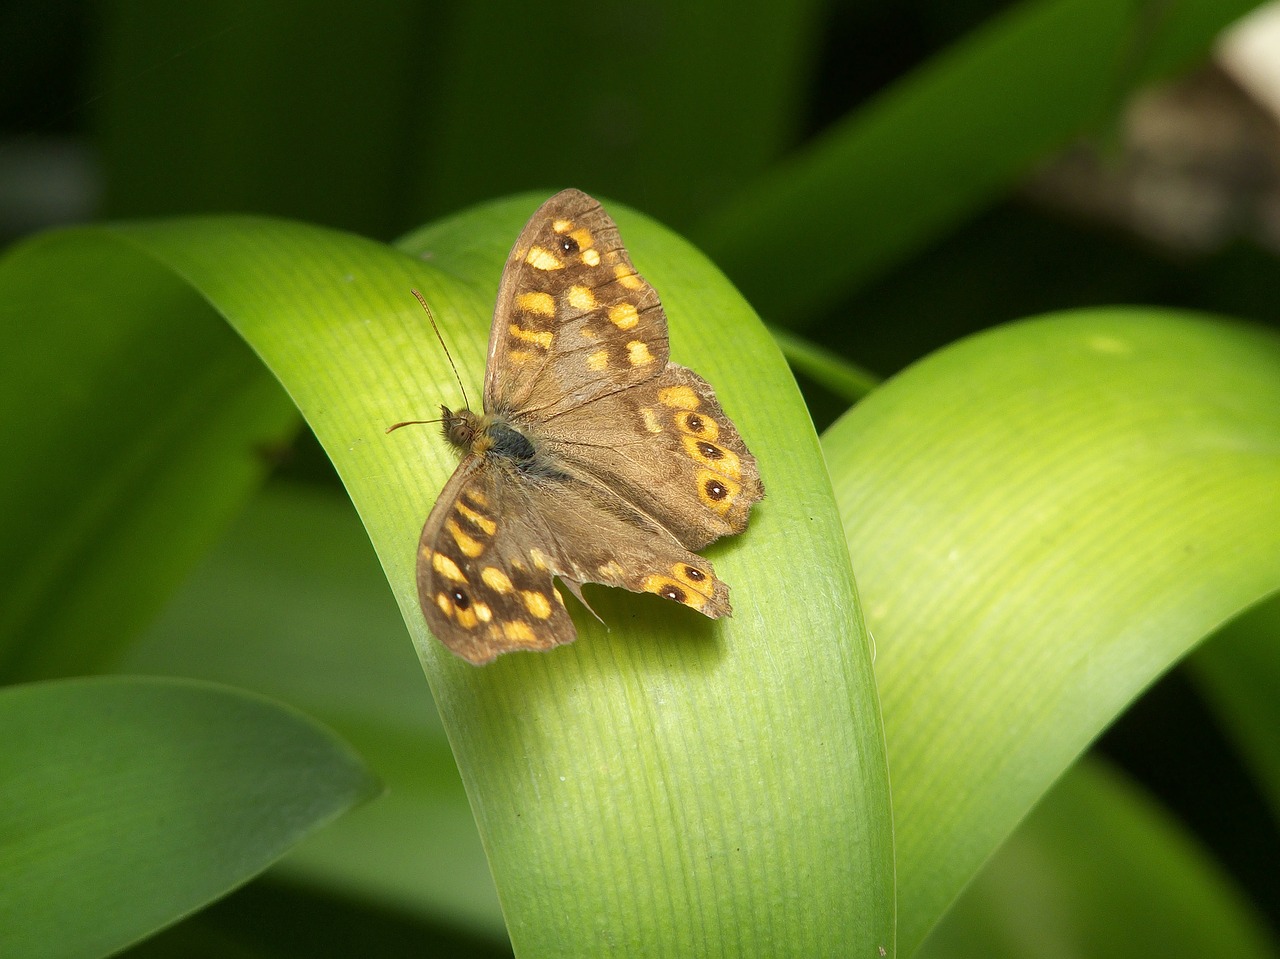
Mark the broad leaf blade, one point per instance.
(1043, 518)
(126, 804)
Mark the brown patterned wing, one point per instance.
(573, 320)
(497, 536)
(484, 580)
(665, 447)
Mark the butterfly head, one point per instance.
(460, 428)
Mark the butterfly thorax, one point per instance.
(488, 434)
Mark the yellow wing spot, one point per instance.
(447, 568)
(611, 570)
(543, 304)
(651, 421)
(717, 458)
(581, 298)
(445, 603)
(562, 226)
(540, 338)
(680, 397)
(541, 259)
(470, 546)
(668, 588)
(628, 278)
(717, 492)
(539, 559)
(537, 603)
(623, 316)
(477, 498)
(590, 257)
(496, 579)
(584, 238)
(482, 522)
(698, 425)
(519, 357)
(638, 353)
(518, 632)
(467, 618)
(598, 360)
(483, 612)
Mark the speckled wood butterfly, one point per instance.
(596, 460)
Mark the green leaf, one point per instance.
(1239, 673)
(1043, 518)
(293, 605)
(127, 803)
(943, 142)
(1099, 870)
(669, 759)
(135, 426)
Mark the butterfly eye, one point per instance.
(568, 245)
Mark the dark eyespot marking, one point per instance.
(670, 591)
(695, 424)
(715, 489)
(695, 574)
(460, 599)
(568, 245)
(711, 452)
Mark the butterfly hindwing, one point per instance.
(673, 455)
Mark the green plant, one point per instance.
(1041, 520)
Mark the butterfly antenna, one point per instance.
(465, 400)
(431, 316)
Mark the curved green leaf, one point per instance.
(293, 605)
(667, 760)
(1042, 519)
(1099, 870)
(127, 803)
(135, 425)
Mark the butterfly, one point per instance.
(596, 460)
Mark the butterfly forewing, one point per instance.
(573, 320)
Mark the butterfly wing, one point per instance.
(483, 582)
(669, 452)
(573, 320)
(496, 538)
